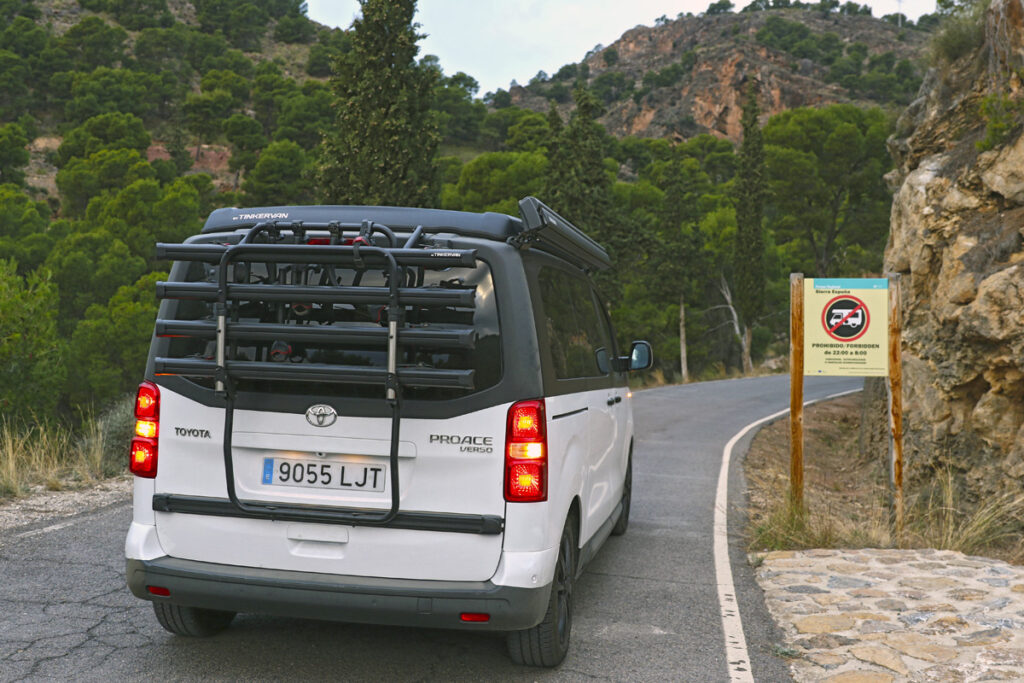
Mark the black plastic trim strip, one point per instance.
(590, 548)
(314, 372)
(418, 521)
(570, 413)
(241, 332)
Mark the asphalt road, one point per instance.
(647, 607)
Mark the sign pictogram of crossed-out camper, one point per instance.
(845, 318)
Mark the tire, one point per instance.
(191, 621)
(627, 498)
(547, 643)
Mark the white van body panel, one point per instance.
(437, 473)
(574, 468)
(330, 549)
(142, 542)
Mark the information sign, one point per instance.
(846, 327)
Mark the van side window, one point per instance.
(608, 349)
(579, 347)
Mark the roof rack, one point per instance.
(546, 230)
(539, 227)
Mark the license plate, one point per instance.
(345, 476)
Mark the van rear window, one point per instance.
(483, 356)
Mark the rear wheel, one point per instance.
(191, 621)
(547, 643)
(627, 498)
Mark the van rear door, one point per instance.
(310, 461)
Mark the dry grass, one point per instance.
(53, 456)
(847, 500)
(939, 520)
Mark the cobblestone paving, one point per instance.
(879, 616)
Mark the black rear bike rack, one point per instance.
(364, 254)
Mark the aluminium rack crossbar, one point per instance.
(225, 371)
(270, 332)
(300, 253)
(209, 291)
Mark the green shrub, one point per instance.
(671, 74)
(1001, 114)
(612, 86)
(959, 34)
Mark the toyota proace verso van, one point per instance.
(380, 415)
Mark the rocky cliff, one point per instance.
(725, 54)
(957, 234)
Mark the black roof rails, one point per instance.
(490, 225)
(547, 231)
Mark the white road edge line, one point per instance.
(45, 529)
(736, 655)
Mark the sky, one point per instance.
(496, 41)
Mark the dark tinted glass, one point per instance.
(484, 358)
(577, 336)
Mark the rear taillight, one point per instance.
(143, 453)
(147, 402)
(526, 453)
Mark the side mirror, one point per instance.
(641, 357)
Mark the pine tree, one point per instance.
(555, 128)
(577, 185)
(13, 154)
(381, 147)
(748, 260)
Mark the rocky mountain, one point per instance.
(685, 77)
(957, 236)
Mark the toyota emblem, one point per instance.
(321, 415)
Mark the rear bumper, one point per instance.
(397, 602)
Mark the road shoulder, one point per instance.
(42, 506)
(763, 634)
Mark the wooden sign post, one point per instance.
(896, 397)
(796, 390)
